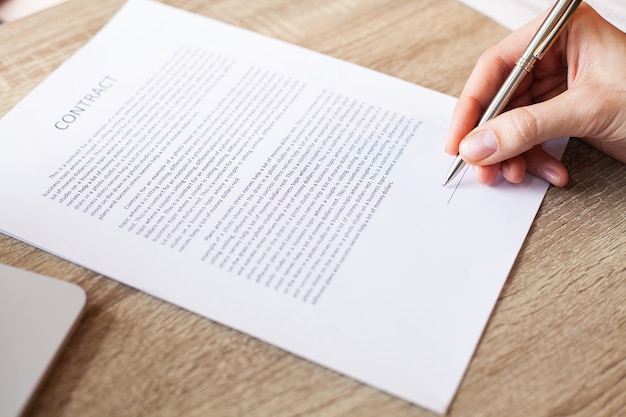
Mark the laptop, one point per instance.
(37, 314)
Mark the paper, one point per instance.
(515, 13)
(284, 193)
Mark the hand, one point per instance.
(578, 89)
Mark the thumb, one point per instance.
(520, 129)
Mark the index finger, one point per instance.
(490, 72)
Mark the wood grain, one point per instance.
(555, 345)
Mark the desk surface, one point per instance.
(555, 345)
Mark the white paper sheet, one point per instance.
(515, 13)
(281, 192)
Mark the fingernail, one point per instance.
(479, 145)
(550, 175)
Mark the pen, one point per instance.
(547, 33)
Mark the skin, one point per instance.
(578, 90)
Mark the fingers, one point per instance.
(487, 174)
(490, 71)
(535, 161)
(512, 170)
(466, 114)
(518, 130)
(510, 144)
(482, 85)
(543, 165)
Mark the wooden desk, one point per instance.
(556, 343)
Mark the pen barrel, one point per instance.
(509, 87)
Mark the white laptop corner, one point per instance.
(37, 314)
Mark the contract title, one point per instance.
(85, 103)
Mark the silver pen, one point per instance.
(542, 41)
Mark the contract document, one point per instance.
(281, 192)
(513, 14)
